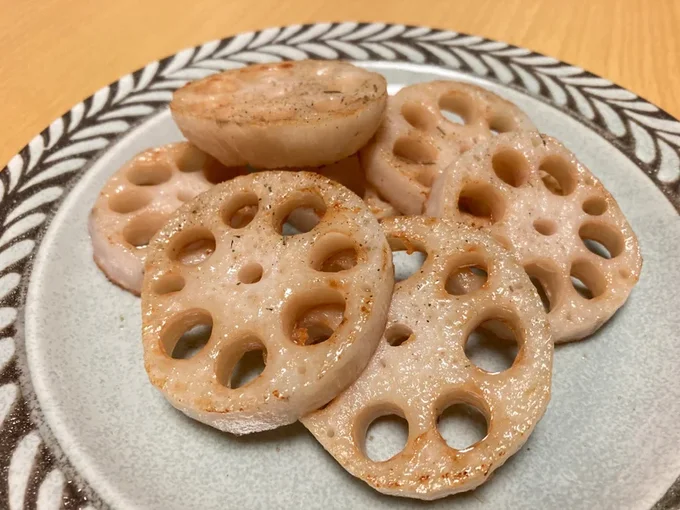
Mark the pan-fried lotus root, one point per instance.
(136, 201)
(288, 114)
(420, 368)
(533, 195)
(416, 140)
(314, 303)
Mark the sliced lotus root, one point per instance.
(349, 173)
(416, 141)
(288, 114)
(136, 201)
(258, 289)
(534, 196)
(420, 367)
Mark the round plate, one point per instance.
(81, 426)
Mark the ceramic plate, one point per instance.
(80, 425)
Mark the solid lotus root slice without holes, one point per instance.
(259, 289)
(421, 377)
(135, 202)
(569, 233)
(416, 141)
(287, 114)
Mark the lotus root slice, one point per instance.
(286, 114)
(569, 234)
(416, 140)
(430, 371)
(314, 303)
(135, 202)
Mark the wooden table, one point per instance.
(55, 52)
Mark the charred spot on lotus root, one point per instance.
(241, 362)
(126, 200)
(482, 201)
(312, 317)
(240, 210)
(493, 344)
(381, 431)
(149, 173)
(185, 334)
(463, 420)
(467, 273)
(140, 229)
(308, 204)
(334, 252)
(602, 239)
(557, 175)
(587, 279)
(414, 149)
(545, 277)
(457, 108)
(418, 116)
(408, 257)
(398, 334)
(192, 246)
(511, 167)
(595, 206)
(168, 283)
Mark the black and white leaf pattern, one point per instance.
(34, 181)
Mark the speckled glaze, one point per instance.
(421, 377)
(82, 428)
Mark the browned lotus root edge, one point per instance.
(427, 373)
(288, 114)
(533, 195)
(415, 142)
(261, 290)
(135, 202)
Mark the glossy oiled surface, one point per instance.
(56, 53)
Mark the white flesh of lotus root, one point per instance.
(415, 141)
(421, 377)
(262, 290)
(287, 114)
(135, 202)
(534, 196)
(349, 173)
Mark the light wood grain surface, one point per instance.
(55, 53)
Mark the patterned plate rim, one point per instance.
(35, 471)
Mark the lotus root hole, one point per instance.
(300, 214)
(241, 362)
(462, 424)
(313, 317)
(511, 167)
(186, 334)
(192, 246)
(418, 116)
(481, 201)
(381, 432)
(184, 195)
(330, 433)
(139, 231)
(492, 346)
(149, 173)
(426, 176)
(595, 206)
(601, 239)
(544, 276)
(250, 273)
(334, 252)
(129, 200)
(624, 273)
(587, 280)
(398, 334)
(215, 172)
(190, 159)
(557, 175)
(501, 124)
(457, 108)
(168, 283)
(415, 150)
(545, 227)
(240, 210)
(467, 274)
(408, 257)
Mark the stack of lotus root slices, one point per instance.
(273, 229)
